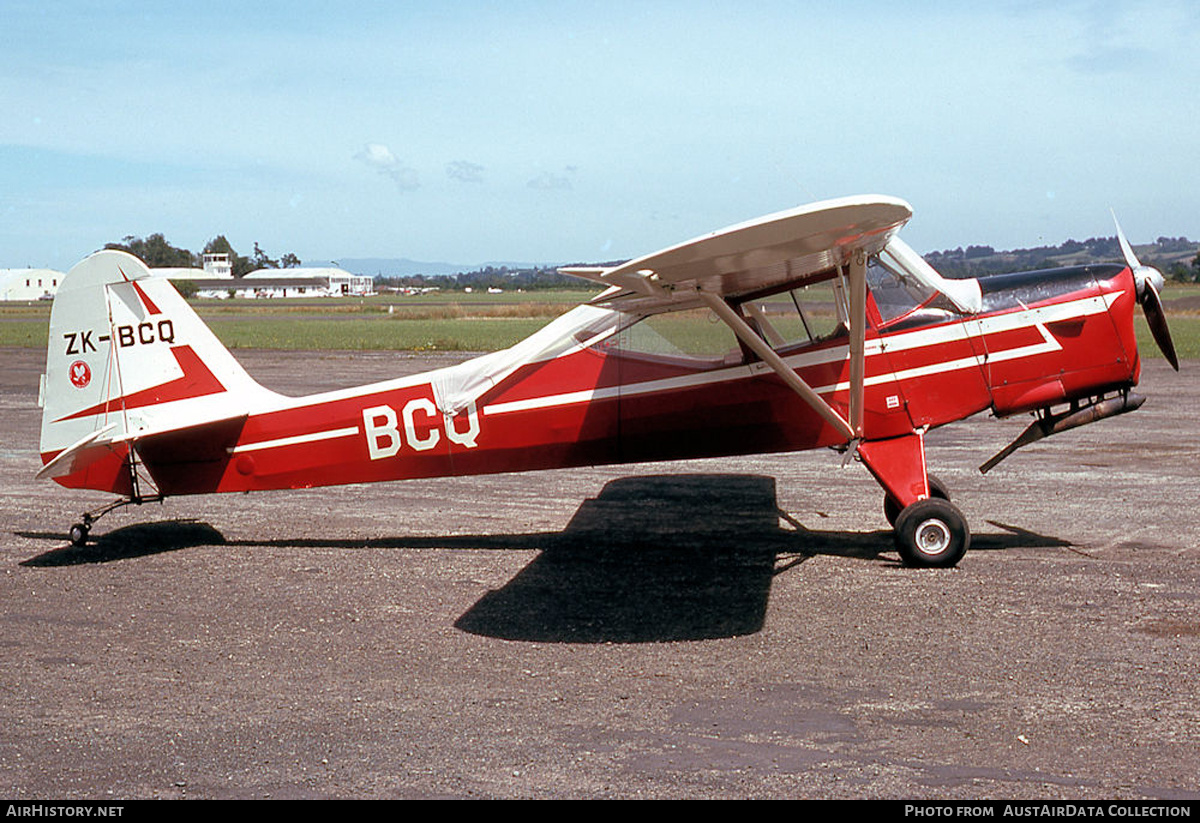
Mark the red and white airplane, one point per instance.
(141, 399)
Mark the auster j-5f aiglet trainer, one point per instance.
(832, 332)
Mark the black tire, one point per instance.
(932, 533)
(892, 507)
(78, 534)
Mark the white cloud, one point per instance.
(379, 157)
(465, 171)
(377, 154)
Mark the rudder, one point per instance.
(127, 357)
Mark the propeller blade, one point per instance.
(1153, 307)
(1126, 249)
(1148, 281)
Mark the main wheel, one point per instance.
(932, 533)
(892, 507)
(79, 534)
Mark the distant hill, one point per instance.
(1171, 255)
(403, 267)
(1174, 256)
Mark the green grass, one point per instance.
(474, 325)
(380, 332)
(1185, 334)
(1173, 290)
(28, 334)
(431, 322)
(508, 302)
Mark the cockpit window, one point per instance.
(696, 336)
(798, 316)
(902, 298)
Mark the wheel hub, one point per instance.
(933, 537)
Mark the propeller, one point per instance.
(1149, 282)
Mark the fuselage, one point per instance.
(1042, 338)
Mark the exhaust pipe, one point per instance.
(1074, 417)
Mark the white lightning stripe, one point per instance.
(920, 338)
(1026, 318)
(299, 438)
(1048, 344)
(920, 371)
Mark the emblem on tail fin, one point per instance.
(80, 374)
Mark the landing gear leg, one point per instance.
(78, 533)
(892, 507)
(930, 530)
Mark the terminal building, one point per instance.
(216, 280)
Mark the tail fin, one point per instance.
(128, 358)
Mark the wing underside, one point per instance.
(786, 247)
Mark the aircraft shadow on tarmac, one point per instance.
(650, 559)
(667, 558)
(139, 540)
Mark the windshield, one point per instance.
(903, 299)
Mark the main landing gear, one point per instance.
(930, 531)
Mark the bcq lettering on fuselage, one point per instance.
(383, 428)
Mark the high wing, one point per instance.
(782, 248)
(773, 250)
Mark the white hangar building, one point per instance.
(216, 280)
(29, 284)
(305, 282)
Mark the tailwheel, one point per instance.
(79, 534)
(932, 533)
(80, 531)
(892, 507)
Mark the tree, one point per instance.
(261, 261)
(155, 251)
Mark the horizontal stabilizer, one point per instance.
(79, 455)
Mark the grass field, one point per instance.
(451, 322)
(445, 322)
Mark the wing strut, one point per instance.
(858, 337)
(788, 375)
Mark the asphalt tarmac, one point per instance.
(736, 628)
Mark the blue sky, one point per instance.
(572, 132)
